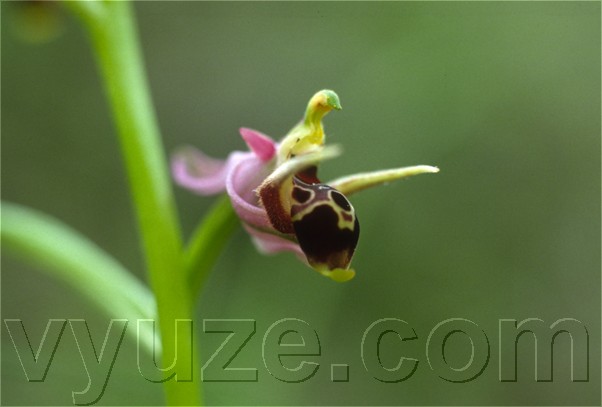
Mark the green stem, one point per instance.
(115, 42)
(207, 242)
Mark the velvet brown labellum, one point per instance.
(325, 225)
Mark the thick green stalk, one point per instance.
(115, 42)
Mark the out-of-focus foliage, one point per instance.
(503, 97)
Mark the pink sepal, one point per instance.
(263, 146)
(268, 243)
(200, 173)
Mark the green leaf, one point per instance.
(68, 256)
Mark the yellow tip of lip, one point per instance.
(339, 275)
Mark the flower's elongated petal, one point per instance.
(357, 182)
(263, 146)
(244, 176)
(200, 173)
(275, 190)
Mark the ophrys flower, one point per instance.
(276, 192)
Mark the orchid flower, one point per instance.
(275, 191)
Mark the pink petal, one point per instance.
(268, 243)
(244, 176)
(199, 173)
(263, 146)
(239, 175)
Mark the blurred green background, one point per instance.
(503, 97)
